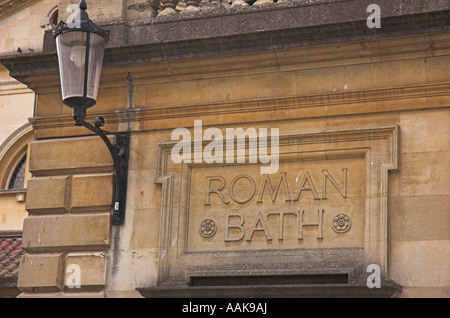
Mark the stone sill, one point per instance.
(10, 233)
(13, 191)
(388, 289)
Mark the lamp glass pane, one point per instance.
(71, 47)
(96, 52)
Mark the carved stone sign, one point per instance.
(323, 211)
(294, 208)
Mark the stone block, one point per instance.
(41, 273)
(425, 131)
(400, 73)
(92, 193)
(69, 155)
(79, 193)
(438, 68)
(66, 232)
(48, 195)
(85, 271)
(424, 173)
(419, 218)
(420, 263)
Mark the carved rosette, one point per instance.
(208, 228)
(341, 223)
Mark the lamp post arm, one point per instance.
(119, 152)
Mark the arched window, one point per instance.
(53, 20)
(17, 180)
(13, 159)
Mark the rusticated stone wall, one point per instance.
(69, 203)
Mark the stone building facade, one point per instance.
(22, 27)
(353, 199)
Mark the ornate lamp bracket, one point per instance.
(119, 151)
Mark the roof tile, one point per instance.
(10, 253)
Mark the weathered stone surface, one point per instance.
(411, 263)
(409, 223)
(92, 193)
(85, 271)
(41, 272)
(71, 155)
(66, 232)
(12, 211)
(48, 195)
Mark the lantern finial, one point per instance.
(83, 5)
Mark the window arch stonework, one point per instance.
(12, 154)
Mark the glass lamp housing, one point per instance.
(80, 80)
(80, 46)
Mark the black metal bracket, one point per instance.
(119, 151)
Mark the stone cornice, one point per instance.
(40, 70)
(9, 7)
(220, 35)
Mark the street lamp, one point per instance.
(80, 45)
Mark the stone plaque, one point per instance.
(293, 208)
(324, 209)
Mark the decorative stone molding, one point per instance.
(374, 151)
